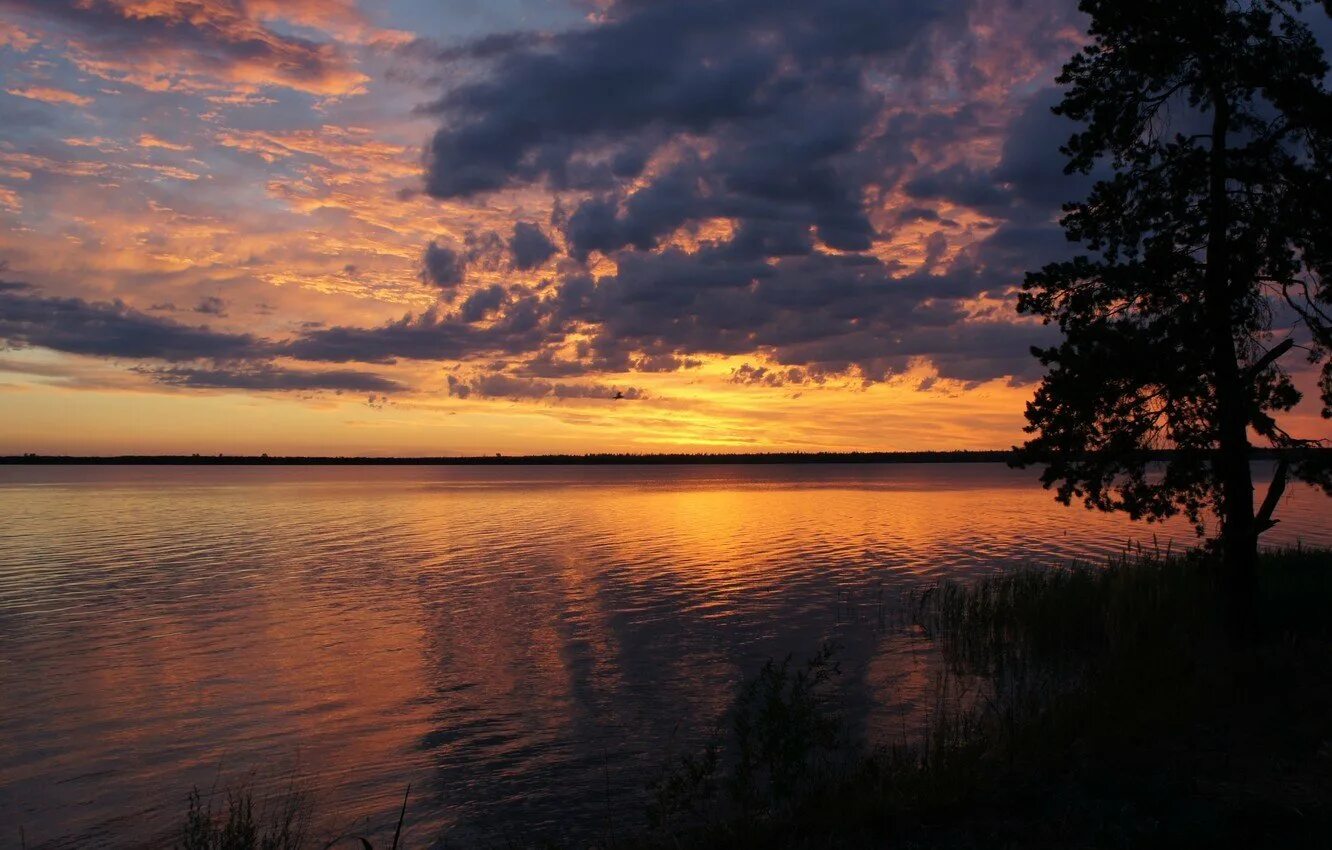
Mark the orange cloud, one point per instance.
(47, 94)
(11, 36)
(202, 45)
(102, 144)
(348, 148)
(20, 166)
(167, 171)
(340, 18)
(10, 200)
(148, 140)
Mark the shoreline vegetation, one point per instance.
(1089, 706)
(600, 459)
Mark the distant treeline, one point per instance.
(606, 459)
(961, 456)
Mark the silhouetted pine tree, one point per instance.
(1214, 228)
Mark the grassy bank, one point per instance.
(1086, 707)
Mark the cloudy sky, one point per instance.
(461, 226)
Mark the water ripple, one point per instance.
(513, 642)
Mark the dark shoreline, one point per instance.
(606, 459)
(601, 459)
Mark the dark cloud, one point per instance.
(769, 377)
(481, 303)
(443, 267)
(1030, 168)
(116, 330)
(270, 377)
(527, 325)
(777, 89)
(1029, 182)
(529, 246)
(548, 363)
(776, 117)
(962, 185)
(211, 305)
(825, 313)
(486, 249)
(486, 47)
(579, 108)
(112, 329)
(664, 363)
(936, 245)
(500, 385)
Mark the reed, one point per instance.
(239, 819)
(1095, 705)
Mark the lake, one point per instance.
(521, 644)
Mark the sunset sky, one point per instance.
(477, 226)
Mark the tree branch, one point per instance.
(1252, 373)
(1263, 521)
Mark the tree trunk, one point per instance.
(1239, 536)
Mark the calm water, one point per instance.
(518, 643)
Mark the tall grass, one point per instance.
(1087, 706)
(236, 820)
(784, 733)
(240, 819)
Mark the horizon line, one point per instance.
(586, 459)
